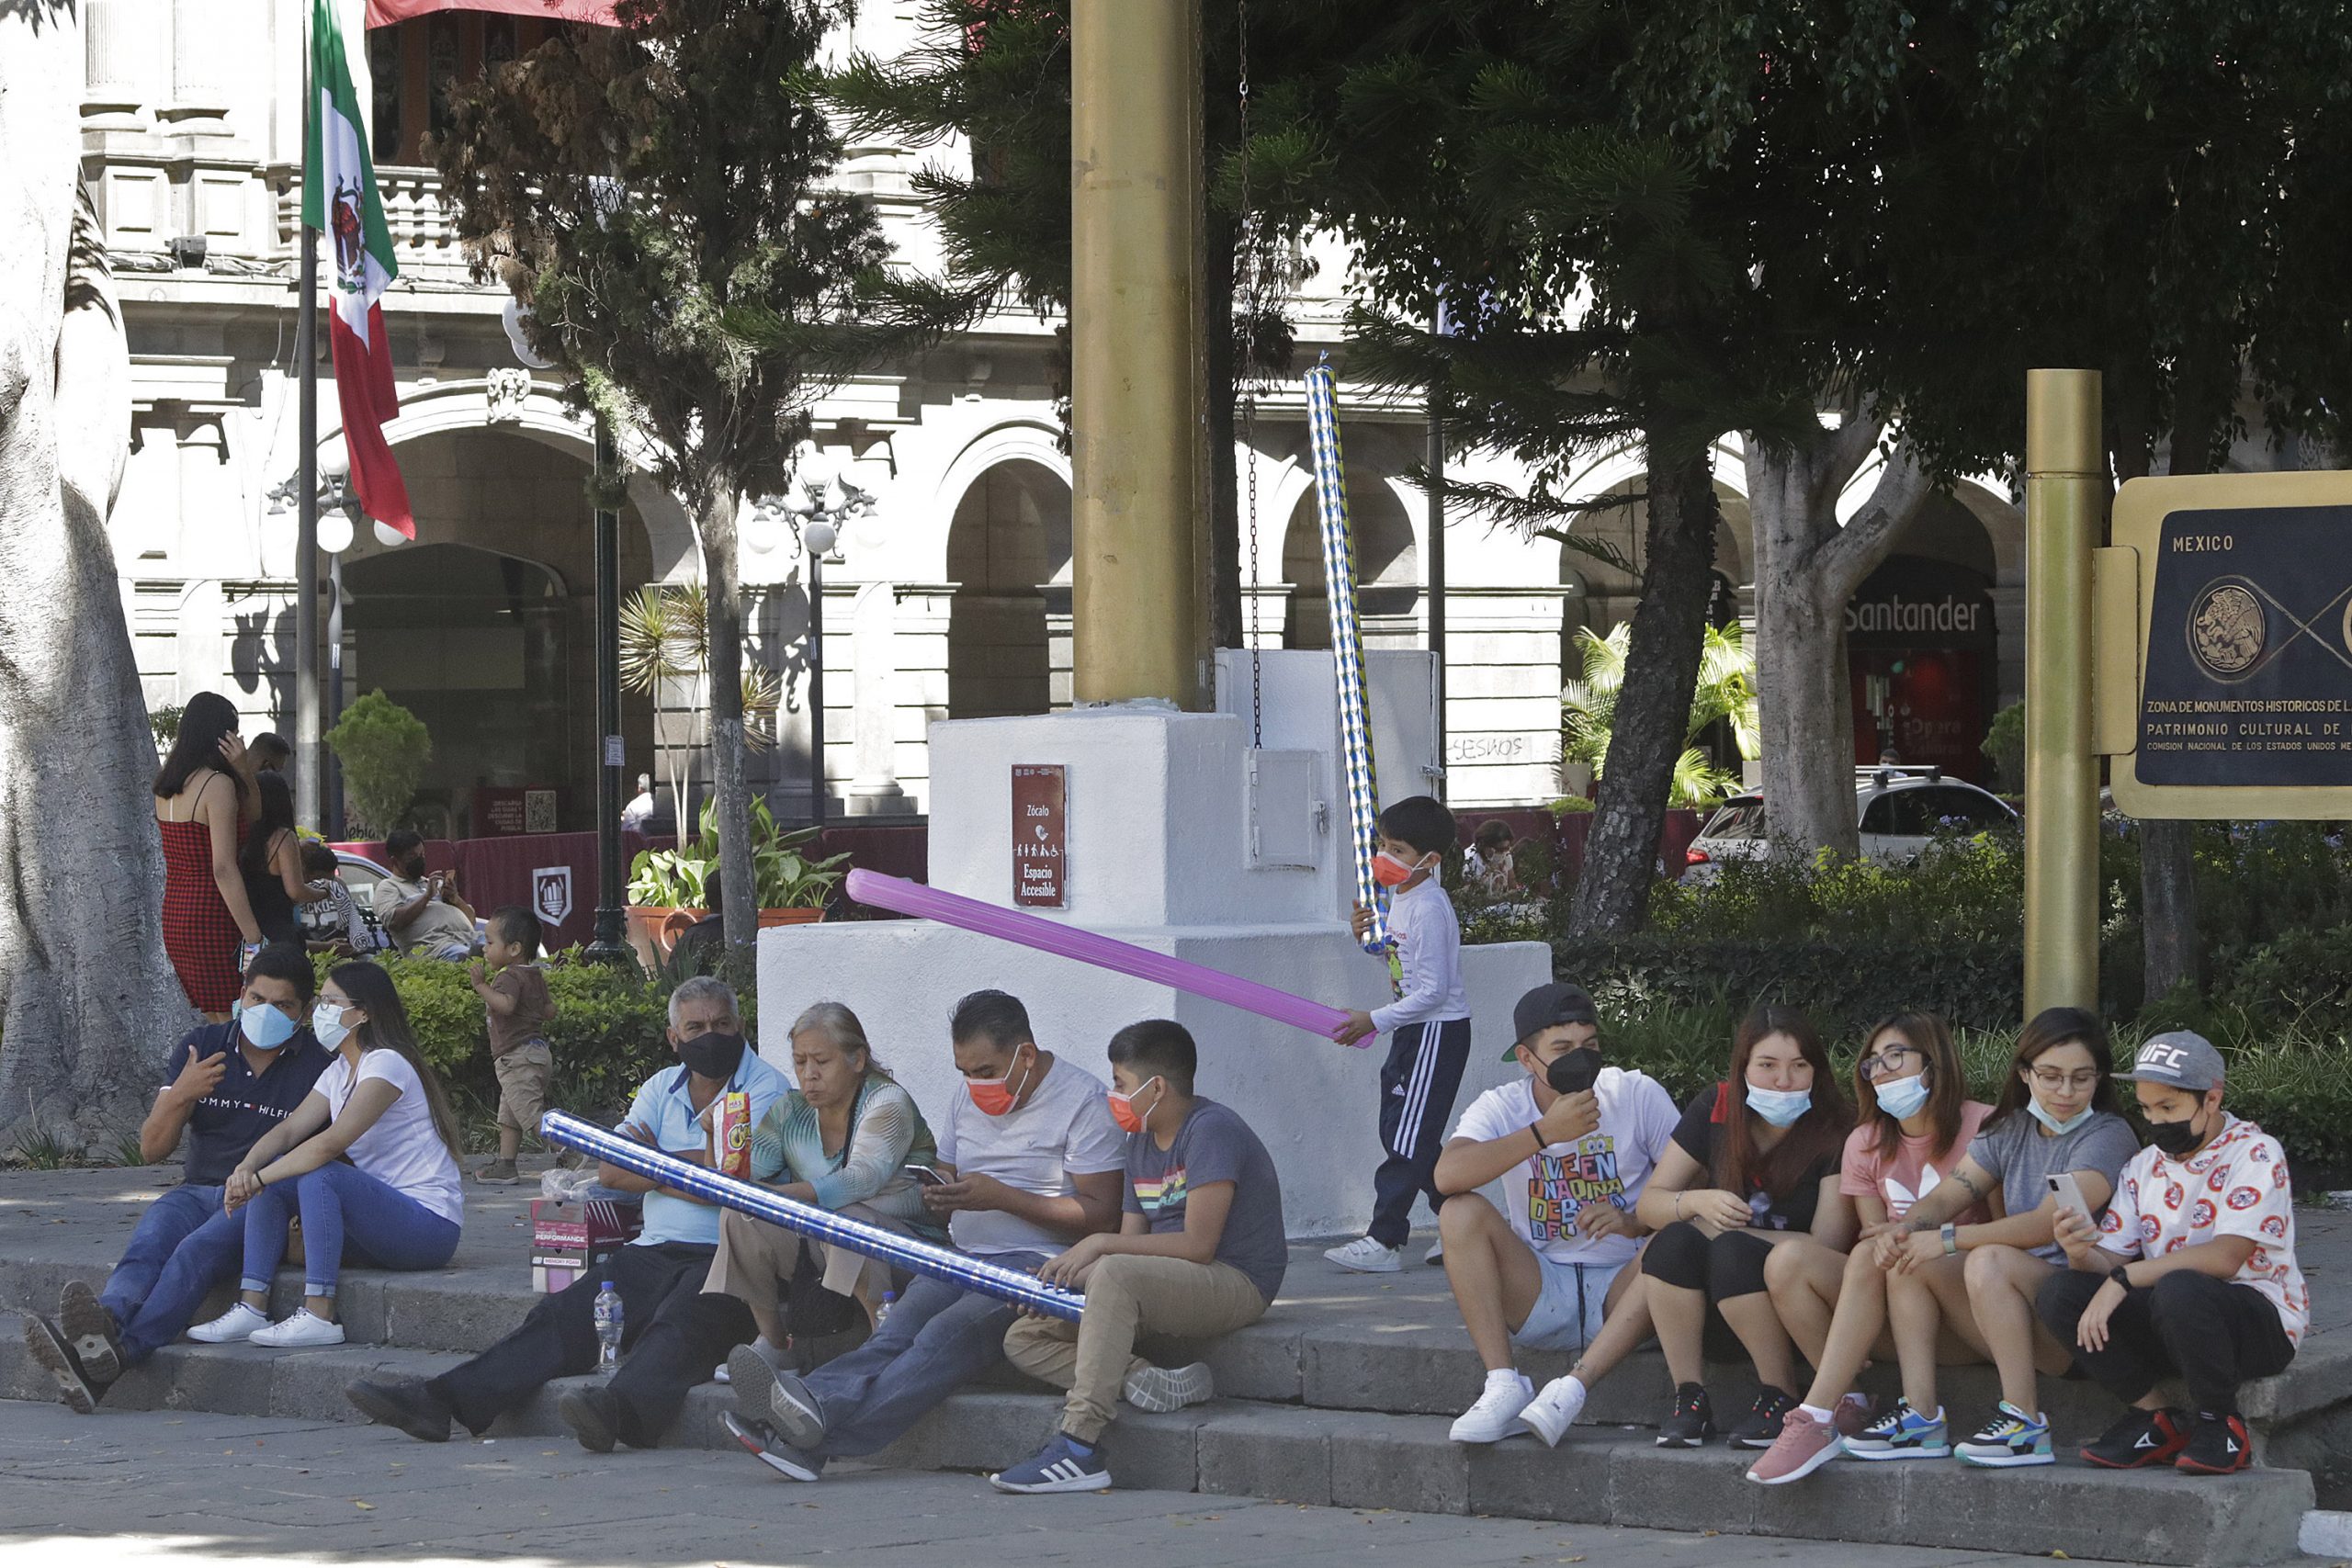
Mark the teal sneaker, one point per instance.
(2012, 1439)
(1902, 1433)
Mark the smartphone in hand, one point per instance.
(2069, 1193)
(927, 1176)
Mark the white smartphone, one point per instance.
(2069, 1193)
(927, 1176)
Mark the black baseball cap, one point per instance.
(1546, 1006)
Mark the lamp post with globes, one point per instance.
(819, 501)
(336, 522)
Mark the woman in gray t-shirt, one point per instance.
(2056, 1115)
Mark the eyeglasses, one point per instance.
(1891, 1062)
(2051, 1079)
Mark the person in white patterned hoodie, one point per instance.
(2191, 1272)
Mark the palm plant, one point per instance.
(665, 637)
(1725, 692)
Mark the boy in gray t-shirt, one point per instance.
(1200, 1252)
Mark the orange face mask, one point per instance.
(1123, 1107)
(1390, 871)
(994, 1096)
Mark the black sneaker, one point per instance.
(1761, 1427)
(89, 1327)
(593, 1416)
(1692, 1420)
(2139, 1438)
(2217, 1445)
(50, 1351)
(408, 1404)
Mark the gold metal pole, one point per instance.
(2065, 493)
(1137, 391)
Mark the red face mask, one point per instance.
(994, 1096)
(1123, 1107)
(1390, 871)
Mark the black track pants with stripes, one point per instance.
(1417, 1083)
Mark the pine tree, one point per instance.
(661, 195)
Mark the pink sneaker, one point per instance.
(1803, 1446)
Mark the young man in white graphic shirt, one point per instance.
(1573, 1143)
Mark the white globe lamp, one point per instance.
(389, 536)
(820, 537)
(334, 531)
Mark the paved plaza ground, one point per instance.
(138, 1488)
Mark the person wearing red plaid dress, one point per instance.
(200, 801)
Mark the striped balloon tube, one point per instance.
(805, 1219)
(1347, 646)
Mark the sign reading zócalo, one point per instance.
(2243, 592)
(1040, 835)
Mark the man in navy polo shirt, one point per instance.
(672, 1331)
(225, 1085)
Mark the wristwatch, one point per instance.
(2121, 1275)
(1950, 1232)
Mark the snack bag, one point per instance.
(732, 1134)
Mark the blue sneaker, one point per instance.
(1062, 1465)
(2012, 1439)
(1902, 1433)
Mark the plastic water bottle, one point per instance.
(608, 1330)
(882, 1313)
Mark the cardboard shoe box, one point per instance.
(571, 1235)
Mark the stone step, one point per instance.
(1238, 1447)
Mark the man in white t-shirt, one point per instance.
(1033, 1161)
(1573, 1143)
(2191, 1270)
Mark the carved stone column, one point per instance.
(874, 661)
(122, 73)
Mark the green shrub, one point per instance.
(383, 749)
(608, 1034)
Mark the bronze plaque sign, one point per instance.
(1040, 835)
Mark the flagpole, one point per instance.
(306, 481)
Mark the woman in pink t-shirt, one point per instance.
(1913, 1124)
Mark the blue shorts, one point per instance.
(1568, 1311)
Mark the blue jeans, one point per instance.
(936, 1338)
(182, 1248)
(344, 1211)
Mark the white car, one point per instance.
(1900, 809)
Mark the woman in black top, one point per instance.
(1753, 1163)
(271, 860)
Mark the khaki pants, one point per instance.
(755, 1261)
(1126, 1297)
(523, 1075)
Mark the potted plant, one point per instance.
(667, 889)
(383, 749)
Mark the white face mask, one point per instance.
(326, 1022)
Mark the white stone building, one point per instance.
(950, 600)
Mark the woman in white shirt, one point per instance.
(399, 1204)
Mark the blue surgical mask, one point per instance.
(1780, 1107)
(2057, 1128)
(264, 1028)
(1903, 1098)
(326, 1022)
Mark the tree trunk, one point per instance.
(1807, 568)
(2170, 949)
(738, 902)
(1653, 714)
(90, 997)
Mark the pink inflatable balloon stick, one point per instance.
(905, 897)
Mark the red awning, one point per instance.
(384, 12)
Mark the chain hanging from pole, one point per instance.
(1245, 379)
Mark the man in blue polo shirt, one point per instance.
(225, 1085)
(658, 1276)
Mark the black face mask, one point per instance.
(1576, 1072)
(713, 1055)
(2176, 1139)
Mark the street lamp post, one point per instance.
(333, 518)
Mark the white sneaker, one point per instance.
(300, 1330)
(1365, 1255)
(240, 1322)
(1435, 1256)
(1495, 1415)
(1550, 1413)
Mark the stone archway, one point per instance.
(1388, 580)
(1008, 622)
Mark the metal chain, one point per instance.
(1250, 299)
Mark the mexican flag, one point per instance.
(339, 200)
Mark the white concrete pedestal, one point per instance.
(1159, 855)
